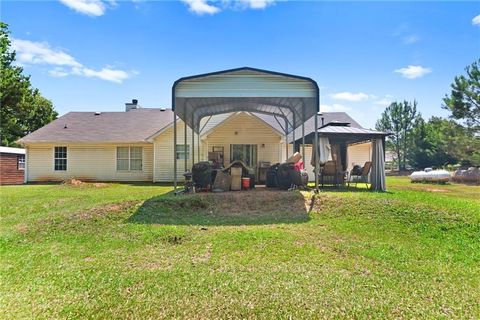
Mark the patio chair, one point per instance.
(330, 174)
(362, 176)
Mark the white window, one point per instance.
(129, 158)
(21, 162)
(60, 159)
(183, 151)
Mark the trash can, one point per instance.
(245, 183)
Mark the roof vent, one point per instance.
(337, 124)
(162, 109)
(65, 127)
(97, 113)
(132, 105)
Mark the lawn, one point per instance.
(136, 251)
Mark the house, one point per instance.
(137, 144)
(12, 165)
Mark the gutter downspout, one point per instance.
(153, 176)
(25, 172)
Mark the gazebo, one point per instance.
(290, 99)
(342, 134)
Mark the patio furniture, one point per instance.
(331, 174)
(362, 176)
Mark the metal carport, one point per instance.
(289, 98)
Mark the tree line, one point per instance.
(437, 142)
(22, 108)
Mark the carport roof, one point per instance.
(289, 97)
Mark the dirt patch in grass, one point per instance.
(79, 183)
(79, 217)
(243, 207)
(72, 182)
(103, 210)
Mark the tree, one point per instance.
(440, 142)
(464, 100)
(22, 108)
(429, 148)
(399, 118)
(460, 144)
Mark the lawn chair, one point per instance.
(330, 174)
(362, 176)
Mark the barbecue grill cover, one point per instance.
(202, 174)
(272, 176)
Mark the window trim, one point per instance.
(253, 151)
(129, 159)
(21, 156)
(185, 151)
(55, 158)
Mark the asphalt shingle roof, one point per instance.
(133, 126)
(137, 125)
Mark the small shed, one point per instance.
(12, 165)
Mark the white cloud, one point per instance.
(413, 72)
(411, 39)
(201, 7)
(29, 52)
(476, 21)
(41, 53)
(334, 108)
(58, 72)
(385, 102)
(93, 8)
(350, 96)
(256, 4)
(107, 73)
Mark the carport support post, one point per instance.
(286, 139)
(198, 146)
(293, 135)
(185, 145)
(315, 147)
(174, 152)
(303, 142)
(303, 135)
(193, 146)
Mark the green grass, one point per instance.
(136, 251)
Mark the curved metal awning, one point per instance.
(292, 98)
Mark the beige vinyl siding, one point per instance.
(86, 162)
(358, 154)
(163, 145)
(249, 130)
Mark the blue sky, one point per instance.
(93, 55)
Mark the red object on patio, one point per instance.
(246, 183)
(298, 166)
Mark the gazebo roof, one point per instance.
(289, 97)
(343, 133)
